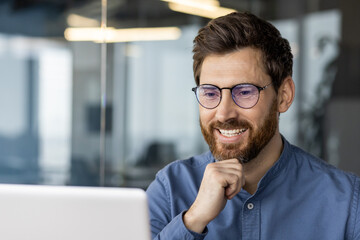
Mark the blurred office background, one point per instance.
(53, 97)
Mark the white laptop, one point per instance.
(78, 213)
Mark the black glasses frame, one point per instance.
(194, 89)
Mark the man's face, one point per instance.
(231, 131)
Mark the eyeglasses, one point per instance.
(245, 95)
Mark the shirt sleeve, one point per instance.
(163, 225)
(355, 209)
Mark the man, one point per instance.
(253, 184)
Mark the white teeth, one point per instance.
(231, 133)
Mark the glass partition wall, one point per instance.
(88, 101)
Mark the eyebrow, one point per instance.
(245, 83)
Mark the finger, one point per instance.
(230, 170)
(231, 192)
(235, 183)
(232, 160)
(229, 163)
(224, 168)
(229, 175)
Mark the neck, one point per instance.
(258, 167)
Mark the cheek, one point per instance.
(206, 115)
(265, 114)
(256, 117)
(266, 105)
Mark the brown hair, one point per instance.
(238, 30)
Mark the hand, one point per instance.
(222, 181)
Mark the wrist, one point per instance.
(193, 223)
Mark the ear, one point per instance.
(286, 94)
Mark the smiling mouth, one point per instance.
(232, 132)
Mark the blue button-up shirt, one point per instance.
(299, 198)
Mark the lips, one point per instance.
(230, 136)
(231, 132)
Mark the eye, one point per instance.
(209, 92)
(244, 91)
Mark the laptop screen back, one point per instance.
(79, 213)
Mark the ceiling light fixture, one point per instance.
(111, 35)
(203, 8)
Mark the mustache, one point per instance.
(231, 124)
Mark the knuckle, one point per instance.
(234, 178)
(210, 167)
(239, 167)
(212, 170)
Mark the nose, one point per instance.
(227, 109)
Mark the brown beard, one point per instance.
(243, 151)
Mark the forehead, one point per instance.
(241, 66)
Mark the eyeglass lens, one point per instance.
(244, 95)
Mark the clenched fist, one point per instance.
(222, 181)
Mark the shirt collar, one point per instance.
(278, 166)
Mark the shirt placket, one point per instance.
(251, 220)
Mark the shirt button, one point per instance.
(250, 206)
